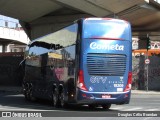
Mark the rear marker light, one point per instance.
(84, 95)
(126, 96)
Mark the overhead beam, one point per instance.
(153, 3)
(145, 33)
(27, 10)
(58, 19)
(143, 29)
(86, 7)
(49, 24)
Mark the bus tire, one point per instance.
(62, 99)
(26, 91)
(31, 97)
(106, 106)
(55, 98)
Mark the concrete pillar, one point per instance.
(8, 48)
(3, 48)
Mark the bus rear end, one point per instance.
(105, 74)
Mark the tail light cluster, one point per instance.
(80, 83)
(129, 83)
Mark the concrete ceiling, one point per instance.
(144, 15)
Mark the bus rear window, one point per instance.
(106, 29)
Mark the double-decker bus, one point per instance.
(86, 63)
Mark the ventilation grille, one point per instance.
(106, 64)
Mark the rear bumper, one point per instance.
(84, 97)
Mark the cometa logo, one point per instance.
(95, 45)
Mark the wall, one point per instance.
(139, 69)
(10, 74)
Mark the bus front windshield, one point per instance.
(105, 29)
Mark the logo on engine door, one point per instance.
(98, 79)
(121, 79)
(117, 47)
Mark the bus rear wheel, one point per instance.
(106, 106)
(62, 99)
(31, 97)
(26, 91)
(55, 98)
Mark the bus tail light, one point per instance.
(80, 83)
(129, 83)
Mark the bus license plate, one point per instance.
(106, 96)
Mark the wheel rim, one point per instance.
(55, 99)
(62, 99)
(31, 95)
(27, 92)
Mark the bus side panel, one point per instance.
(64, 69)
(38, 74)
